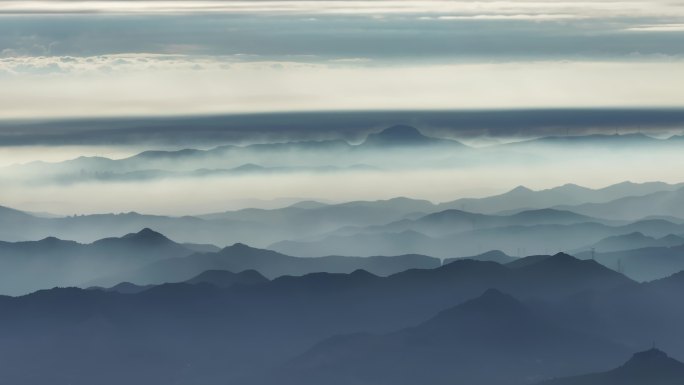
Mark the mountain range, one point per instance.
(535, 319)
(514, 240)
(648, 367)
(29, 266)
(661, 203)
(644, 264)
(451, 347)
(393, 227)
(218, 278)
(327, 155)
(632, 241)
(565, 196)
(394, 147)
(240, 257)
(264, 227)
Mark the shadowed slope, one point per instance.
(457, 346)
(650, 367)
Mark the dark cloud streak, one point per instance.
(327, 36)
(352, 126)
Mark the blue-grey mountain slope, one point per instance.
(662, 203)
(632, 241)
(271, 264)
(494, 330)
(650, 367)
(522, 198)
(33, 265)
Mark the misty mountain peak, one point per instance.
(50, 240)
(225, 278)
(520, 190)
(400, 132)
(559, 260)
(128, 288)
(497, 256)
(239, 247)
(309, 204)
(652, 366)
(146, 235)
(243, 250)
(652, 360)
(400, 135)
(247, 167)
(633, 235)
(563, 256)
(672, 238)
(572, 187)
(361, 273)
(8, 212)
(652, 354)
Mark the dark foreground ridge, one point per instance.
(650, 367)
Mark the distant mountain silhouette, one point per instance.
(650, 367)
(89, 228)
(224, 278)
(601, 140)
(226, 160)
(145, 237)
(559, 272)
(514, 240)
(644, 264)
(402, 135)
(349, 213)
(201, 247)
(151, 174)
(661, 203)
(296, 221)
(33, 265)
(16, 225)
(547, 215)
(529, 260)
(456, 346)
(368, 244)
(635, 240)
(522, 198)
(453, 221)
(201, 333)
(561, 262)
(218, 278)
(125, 288)
(309, 205)
(240, 257)
(7, 213)
(380, 292)
(262, 227)
(493, 256)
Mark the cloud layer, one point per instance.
(147, 85)
(111, 58)
(578, 9)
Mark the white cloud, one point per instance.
(158, 85)
(377, 8)
(658, 28)
(534, 17)
(351, 60)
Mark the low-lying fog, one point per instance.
(439, 175)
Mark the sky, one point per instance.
(114, 78)
(73, 58)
